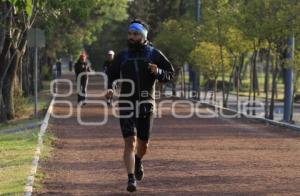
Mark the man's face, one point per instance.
(135, 37)
(110, 57)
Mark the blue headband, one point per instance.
(139, 28)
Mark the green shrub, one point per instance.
(20, 102)
(46, 73)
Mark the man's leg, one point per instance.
(129, 135)
(142, 147)
(84, 87)
(144, 127)
(80, 98)
(129, 152)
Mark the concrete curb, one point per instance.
(272, 122)
(30, 180)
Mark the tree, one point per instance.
(155, 13)
(69, 25)
(268, 24)
(206, 56)
(217, 20)
(238, 47)
(19, 17)
(176, 40)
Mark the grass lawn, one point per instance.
(17, 149)
(16, 155)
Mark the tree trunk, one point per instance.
(8, 90)
(274, 77)
(5, 49)
(25, 75)
(3, 70)
(199, 87)
(223, 77)
(2, 39)
(206, 87)
(232, 76)
(10, 75)
(250, 83)
(243, 71)
(255, 83)
(184, 84)
(3, 8)
(238, 73)
(267, 81)
(215, 89)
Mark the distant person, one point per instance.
(143, 65)
(70, 65)
(58, 68)
(109, 59)
(107, 63)
(82, 66)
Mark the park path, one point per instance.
(194, 156)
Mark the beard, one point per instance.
(134, 45)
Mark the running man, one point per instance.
(143, 64)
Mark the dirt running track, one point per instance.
(194, 156)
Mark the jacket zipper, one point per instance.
(137, 77)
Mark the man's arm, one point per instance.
(104, 67)
(165, 70)
(113, 71)
(76, 68)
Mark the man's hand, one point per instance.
(153, 68)
(109, 94)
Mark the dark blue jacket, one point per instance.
(133, 65)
